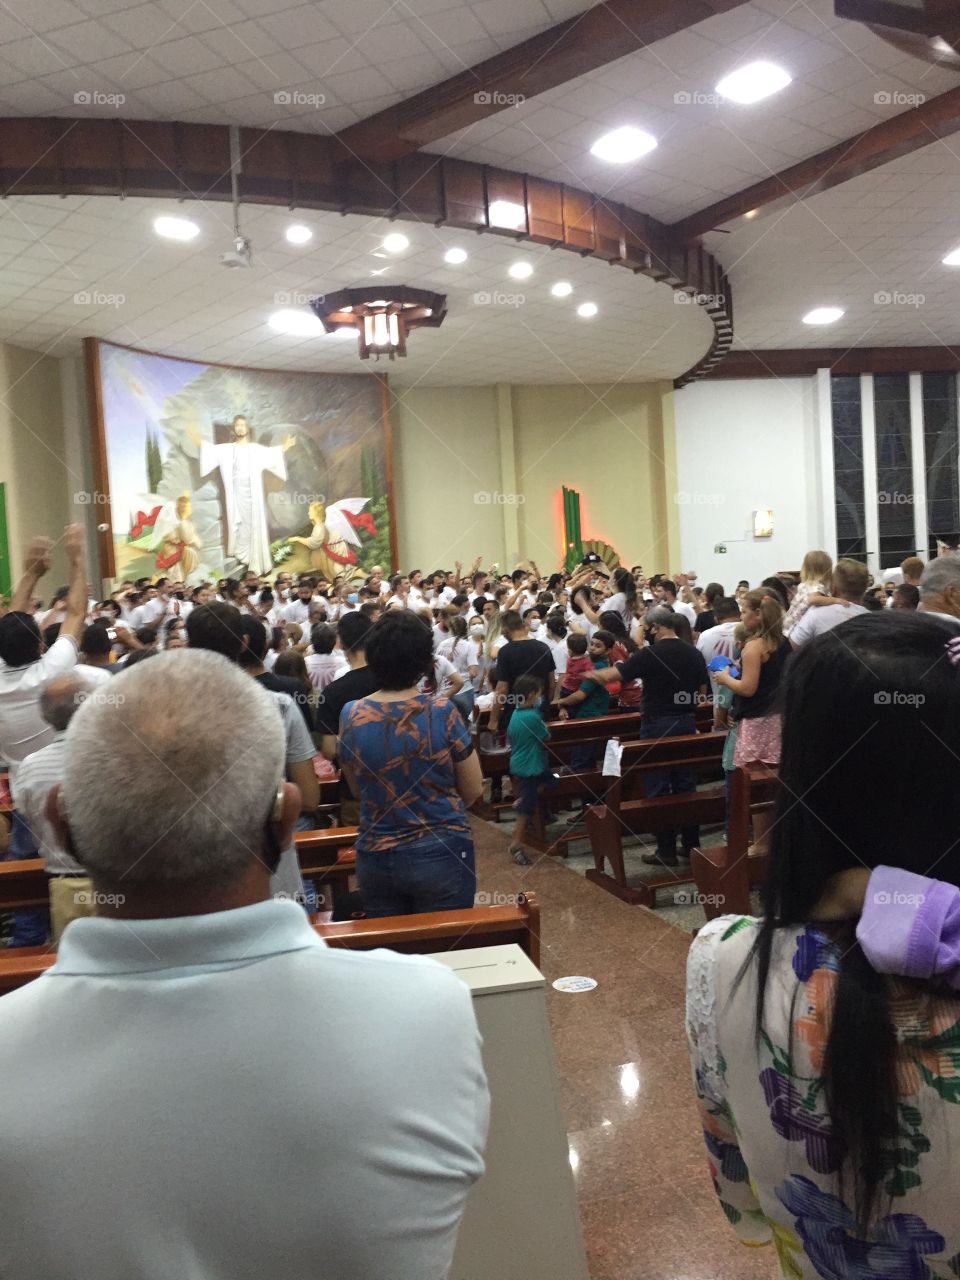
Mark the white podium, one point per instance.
(521, 1220)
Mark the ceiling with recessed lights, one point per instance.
(92, 266)
(657, 129)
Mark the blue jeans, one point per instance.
(435, 873)
(671, 781)
(31, 925)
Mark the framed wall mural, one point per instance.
(205, 470)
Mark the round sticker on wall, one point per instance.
(574, 984)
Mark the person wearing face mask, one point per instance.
(534, 620)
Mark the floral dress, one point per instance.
(770, 1148)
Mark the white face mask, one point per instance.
(534, 624)
(477, 631)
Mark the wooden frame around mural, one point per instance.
(101, 471)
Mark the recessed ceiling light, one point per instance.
(823, 315)
(751, 213)
(753, 82)
(396, 242)
(952, 259)
(176, 228)
(587, 309)
(562, 289)
(299, 234)
(298, 324)
(455, 256)
(623, 145)
(521, 270)
(507, 213)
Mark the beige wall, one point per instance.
(480, 470)
(33, 457)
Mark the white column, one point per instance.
(871, 517)
(823, 478)
(918, 459)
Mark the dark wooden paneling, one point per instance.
(176, 160)
(801, 362)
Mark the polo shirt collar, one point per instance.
(96, 945)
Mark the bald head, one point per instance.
(171, 777)
(62, 697)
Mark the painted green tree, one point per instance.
(154, 462)
(374, 548)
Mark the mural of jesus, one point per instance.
(242, 465)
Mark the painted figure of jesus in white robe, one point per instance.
(242, 465)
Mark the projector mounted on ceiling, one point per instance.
(239, 255)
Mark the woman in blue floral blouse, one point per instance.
(829, 1091)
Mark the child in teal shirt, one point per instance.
(527, 733)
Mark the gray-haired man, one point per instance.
(940, 588)
(199, 1085)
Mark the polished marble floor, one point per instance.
(646, 1201)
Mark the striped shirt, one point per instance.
(38, 773)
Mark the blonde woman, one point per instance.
(816, 574)
(755, 692)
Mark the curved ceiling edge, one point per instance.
(58, 156)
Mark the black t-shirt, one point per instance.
(705, 621)
(355, 684)
(672, 671)
(522, 658)
(298, 690)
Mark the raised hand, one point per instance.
(37, 559)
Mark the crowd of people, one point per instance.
(164, 744)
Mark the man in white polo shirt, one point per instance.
(199, 1086)
(850, 579)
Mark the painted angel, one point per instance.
(334, 535)
(167, 529)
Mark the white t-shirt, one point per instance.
(297, 611)
(717, 641)
(463, 652)
(817, 622)
(688, 611)
(23, 729)
(443, 670)
(559, 650)
(324, 668)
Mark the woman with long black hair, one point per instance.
(830, 1093)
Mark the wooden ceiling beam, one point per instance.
(592, 39)
(899, 136)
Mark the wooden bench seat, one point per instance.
(418, 934)
(626, 810)
(725, 874)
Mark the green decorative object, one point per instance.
(571, 529)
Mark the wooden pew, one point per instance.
(419, 934)
(625, 809)
(327, 857)
(725, 874)
(443, 930)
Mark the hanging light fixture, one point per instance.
(382, 316)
